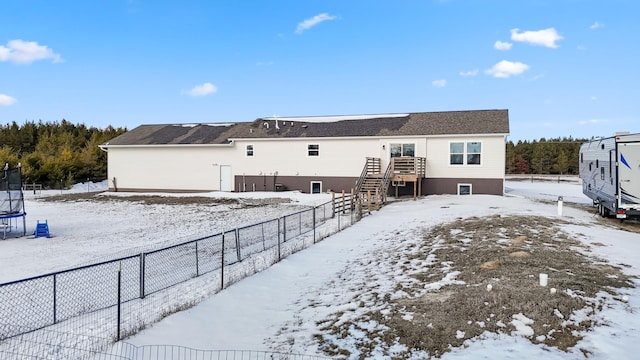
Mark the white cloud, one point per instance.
(502, 45)
(204, 89)
(581, 47)
(473, 72)
(439, 83)
(309, 23)
(505, 69)
(596, 25)
(546, 37)
(6, 100)
(26, 52)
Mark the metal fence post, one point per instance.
(142, 274)
(333, 204)
(55, 286)
(119, 299)
(222, 264)
(238, 244)
(279, 239)
(264, 247)
(314, 224)
(284, 229)
(197, 263)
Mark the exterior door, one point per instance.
(225, 178)
(629, 172)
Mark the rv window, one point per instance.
(590, 166)
(597, 163)
(602, 173)
(610, 163)
(602, 146)
(581, 158)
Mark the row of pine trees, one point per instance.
(545, 156)
(56, 154)
(60, 154)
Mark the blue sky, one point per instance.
(561, 67)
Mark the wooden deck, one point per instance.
(408, 169)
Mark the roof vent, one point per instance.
(266, 124)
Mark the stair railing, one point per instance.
(370, 166)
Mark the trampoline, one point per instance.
(11, 201)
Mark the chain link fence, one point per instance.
(56, 345)
(115, 299)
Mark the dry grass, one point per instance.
(164, 200)
(507, 253)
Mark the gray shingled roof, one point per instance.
(425, 123)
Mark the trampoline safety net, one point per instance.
(11, 198)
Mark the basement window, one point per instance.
(316, 187)
(464, 189)
(313, 150)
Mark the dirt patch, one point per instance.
(165, 200)
(471, 284)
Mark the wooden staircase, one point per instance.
(373, 184)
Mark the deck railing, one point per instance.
(407, 165)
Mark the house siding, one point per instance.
(194, 158)
(300, 183)
(438, 186)
(161, 168)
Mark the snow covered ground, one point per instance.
(85, 232)
(281, 307)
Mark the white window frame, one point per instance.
(311, 187)
(310, 150)
(465, 185)
(465, 153)
(249, 150)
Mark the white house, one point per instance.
(459, 152)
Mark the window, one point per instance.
(465, 153)
(611, 161)
(316, 187)
(398, 150)
(602, 173)
(456, 153)
(249, 150)
(474, 149)
(464, 189)
(313, 150)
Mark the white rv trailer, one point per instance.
(610, 173)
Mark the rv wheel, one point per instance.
(600, 209)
